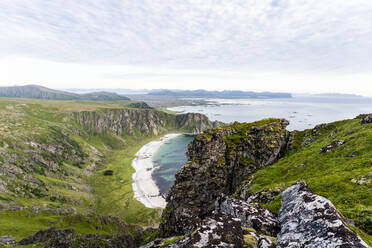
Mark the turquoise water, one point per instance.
(168, 160)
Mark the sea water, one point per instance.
(303, 112)
(169, 159)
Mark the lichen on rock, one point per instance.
(310, 220)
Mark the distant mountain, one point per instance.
(40, 92)
(113, 90)
(218, 94)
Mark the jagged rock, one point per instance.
(7, 241)
(219, 230)
(69, 238)
(333, 145)
(264, 196)
(219, 161)
(52, 237)
(255, 217)
(366, 120)
(216, 231)
(316, 130)
(254, 240)
(312, 221)
(147, 121)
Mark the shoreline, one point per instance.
(144, 187)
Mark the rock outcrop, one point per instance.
(312, 221)
(69, 239)
(219, 161)
(332, 146)
(145, 121)
(256, 217)
(367, 119)
(7, 241)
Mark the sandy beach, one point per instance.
(144, 188)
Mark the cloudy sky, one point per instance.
(276, 45)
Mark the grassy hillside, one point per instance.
(52, 168)
(343, 175)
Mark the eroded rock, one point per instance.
(332, 146)
(312, 221)
(70, 239)
(7, 241)
(219, 161)
(255, 217)
(366, 120)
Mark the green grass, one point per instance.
(90, 194)
(114, 194)
(21, 224)
(329, 174)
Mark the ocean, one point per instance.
(168, 160)
(303, 112)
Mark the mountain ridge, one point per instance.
(41, 92)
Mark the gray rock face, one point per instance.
(367, 119)
(312, 221)
(332, 146)
(218, 231)
(70, 239)
(7, 241)
(147, 121)
(259, 218)
(219, 161)
(215, 231)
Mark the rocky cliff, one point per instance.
(142, 121)
(219, 161)
(215, 201)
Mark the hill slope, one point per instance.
(40, 92)
(53, 159)
(241, 169)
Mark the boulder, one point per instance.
(216, 231)
(70, 239)
(332, 146)
(7, 241)
(312, 221)
(366, 120)
(259, 218)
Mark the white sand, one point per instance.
(144, 188)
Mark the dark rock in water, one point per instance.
(219, 161)
(333, 145)
(259, 218)
(366, 120)
(312, 221)
(108, 173)
(7, 241)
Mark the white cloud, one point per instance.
(20, 71)
(327, 40)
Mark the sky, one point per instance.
(262, 45)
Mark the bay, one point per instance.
(169, 159)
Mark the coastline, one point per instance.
(144, 187)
